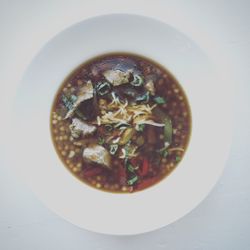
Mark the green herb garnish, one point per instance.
(133, 180)
(143, 98)
(159, 100)
(140, 127)
(137, 81)
(165, 153)
(67, 101)
(126, 152)
(103, 88)
(113, 148)
(101, 141)
(177, 158)
(130, 168)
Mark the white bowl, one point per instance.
(161, 204)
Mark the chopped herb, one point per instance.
(101, 141)
(177, 158)
(140, 127)
(163, 152)
(113, 148)
(103, 88)
(67, 102)
(130, 168)
(126, 152)
(133, 180)
(137, 81)
(143, 98)
(159, 100)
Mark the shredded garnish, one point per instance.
(119, 113)
(129, 153)
(175, 149)
(150, 122)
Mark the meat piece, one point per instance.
(86, 92)
(97, 154)
(117, 77)
(78, 128)
(150, 87)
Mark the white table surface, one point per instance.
(222, 221)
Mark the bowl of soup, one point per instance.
(119, 124)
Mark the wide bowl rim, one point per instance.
(101, 17)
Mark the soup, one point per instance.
(120, 122)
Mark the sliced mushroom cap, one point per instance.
(117, 77)
(97, 154)
(78, 128)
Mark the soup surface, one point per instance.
(120, 122)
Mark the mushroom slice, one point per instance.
(78, 128)
(97, 154)
(117, 77)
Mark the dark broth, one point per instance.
(152, 151)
